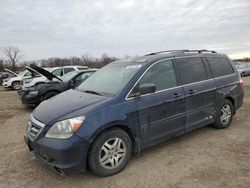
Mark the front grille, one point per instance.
(35, 128)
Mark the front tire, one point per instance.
(49, 95)
(15, 85)
(110, 152)
(225, 115)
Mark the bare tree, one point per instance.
(13, 54)
(1, 65)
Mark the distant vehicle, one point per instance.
(14, 82)
(40, 79)
(6, 75)
(243, 69)
(34, 96)
(133, 104)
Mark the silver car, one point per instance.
(243, 69)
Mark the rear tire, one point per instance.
(225, 115)
(49, 95)
(110, 152)
(15, 85)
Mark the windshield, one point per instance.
(110, 79)
(67, 77)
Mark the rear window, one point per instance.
(220, 66)
(82, 68)
(191, 69)
(66, 70)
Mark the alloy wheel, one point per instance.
(16, 86)
(112, 153)
(226, 113)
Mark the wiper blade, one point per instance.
(92, 92)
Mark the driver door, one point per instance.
(161, 115)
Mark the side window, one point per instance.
(57, 72)
(220, 66)
(191, 69)
(66, 70)
(161, 74)
(79, 79)
(28, 73)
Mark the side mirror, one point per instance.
(146, 89)
(71, 83)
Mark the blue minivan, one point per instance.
(133, 104)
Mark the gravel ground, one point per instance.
(204, 158)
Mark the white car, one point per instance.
(14, 82)
(36, 80)
(40, 79)
(243, 69)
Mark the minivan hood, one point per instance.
(67, 103)
(44, 72)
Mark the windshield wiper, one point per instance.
(92, 92)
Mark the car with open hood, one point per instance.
(35, 95)
(15, 82)
(41, 78)
(133, 104)
(7, 75)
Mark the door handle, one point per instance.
(177, 95)
(192, 91)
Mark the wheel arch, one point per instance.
(231, 99)
(136, 144)
(46, 92)
(53, 90)
(39, 83)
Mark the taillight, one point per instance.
(241, 83)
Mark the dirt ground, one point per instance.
(203, 158)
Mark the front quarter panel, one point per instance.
(111, 116)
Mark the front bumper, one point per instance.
(64, 156)
(6, 85)
(27, 99)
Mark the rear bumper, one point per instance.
(239, 100)
(64, 156)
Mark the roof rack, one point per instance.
(182, 51)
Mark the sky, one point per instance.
(66, 28)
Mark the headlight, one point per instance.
(33, 92)
(66, 128)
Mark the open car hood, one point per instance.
(11, 72)
(44, 72)
(34, 72)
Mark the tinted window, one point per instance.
(82, 68)
(220, 66)
(161, 74)
(66, 70)
(191, 70)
